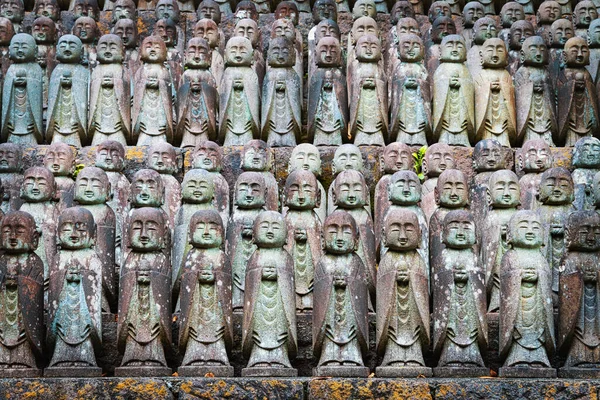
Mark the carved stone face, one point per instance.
(577, 53)
(442, 27)
(534, 52)
(124, 9)
(484, 29)
(305, 156)
(147, 229)
(38, 185)
(10, 158)
(347, 156)
(86, 8)
(368, 49)
(452, 189)
(401, 9)
(153, 50)
(47, 8)
(269, 230)
(364, 8)
(582, 232)
(504, 189)
(548, 12)
(438, 158)
(459, 230)
(287, 10)
(556, 187)
(126, 29)
(301, 190)
(488, 156)
(324, 9)
(69, 49)
(22, 48)
(18, 234)
(396, 157)
(76, 229)
(401, 231)
(519, 31)
(85, 28)
(208, 156)
(198, 54)
(208, 30)
(43, 30)
(206, 230)
(283, 28)
(525, 230)
(327, 28)
(329, 53)
(340, 233)
(364, 26)
(281, 53)
(12, 10)
(587, 153)
(238, 52)
(59, 159)
(494, 54)
(585, 12)
(246, 9)
(594, 34)
(6, 31)
(472, 12)
(407, 25)
(453, 49)
(147, 189)
(561, 31)
(404, 188)
(256, 156)
(249, 29)
(167, 31)
(162, 158)
(250, 191)
(197, 187)
(350, 190)
(168, 9)
(110, 156)
(411, 48)
(511, 12)
(109, 49)
(209, 9)
(92, 186)
(536, 156)
(439, 9)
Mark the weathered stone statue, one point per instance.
(60, 159)
(169, 9)
(460, 335)
(418, 7)
(85, 8)
(306, 157)
(495, 114)
(163, 158)
(6, 34)
(533, 159)
(548, 12)
(485, 28)
(401, 9)
(365, 8)
(262, 6)
(110, 98)
(144, 325)
(281, 105)
(526, 320)
(246, 9)
(503, 195)
(239, 105)
(586, 161)
(441, 27)
(361, 27)
(205, 322)
(269, 337)
(594, 46)
(44, 33)
(488, 157)
(166, 29)
(472, 11)
(21, 297)
(585, 12)
(121, 9)
(402, 299)
(86, 29)
(256, 156)
(327, 96)
(453, 96)
(208, 30)
(249, 201)
(346, 156)
(209, 156)
(561, 31)
(510, 13)
(11, 176)
(22, 94)
(127, 30)
(49, 9)
(75, 298)
(249, 29)
(284, 28)
(68, 96)
(578, 105)
(519, 31)
(436, 9)
(340, 326)
(14, 11)
(438, 158)
(534, 93)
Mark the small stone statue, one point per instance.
(256, 156)
(340, 325)
(436, 10)
(322, 10)
(262, 6)
(438, 158)
(284, 28)
(85, 8)
(86, 29)
(346, 156)
(208, 30)
(269, 337)
(110, 99)
(472, 11)
(122, 9)
(365, 8)
(578, 105)
(144, 324)
(306, 157)
(44, 33)
(586, 161)
(21, 298)
(453, 96)
(361, 27)
(246, 9)
(169, 9)
(249, 201)
(488, 157)
(585, 12)
(205, 322)
(418, 7)
(561, 31)
(401, 9)
(14, 11)
(519, 31)
(209, 156)
(6, 34)
(484, 29)
(402, 299)
(495, 113)
(249, 29)
(239, 116)
(11, 176)
(60, 159)
(410, 107)
(441, 27)
(533, 159)
(75, 298)
(526, 336)
(594, 46)
(166, 29)
(281, 124)
(503, 199)
(578, 296)
(510, 13)
(127, 30)
(22, 94)
(460, 335)
(548, 12)
(163, 158)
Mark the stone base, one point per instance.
(402, 372)
(73, 372)
(460, 372)
(341, 371)
(202, 371)
(20, 373)
(527, 372)
(143, 371)
(579, 373)
(270, 371)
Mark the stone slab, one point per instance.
(242, 389)
(342, 372)
(579, 373)
(268, 372)
(403, 372)
(516, 372)
(20, 373)
(214, 370)
(136, 372)
(73, 372)
(460, 372)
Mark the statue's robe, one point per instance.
(368, 108)
(197, 114)
(530, 187)
(65, 188)
(583, 181)
(217, 66)
(281, 122)
(594, 64)
(120, 191)
(327, 107)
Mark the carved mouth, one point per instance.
(530, 236)
(270, 235)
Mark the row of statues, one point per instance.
(433, 260)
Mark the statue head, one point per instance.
(453, 49)
(364, 8)
(485, 28)
(438, 158)
(281, 53)
(576, 53)
(442, 27)
(594, 34)
(43, 30)
(329, 53)
(283, 28)
(256, 156)
(47, 8)
(439, 9)
(493, 54)
(368, 49)
(206, 230)
(167, 30)
(459, 230)
(23, 48)
(585, 12)
(287, 10)
(109, 49)
(587, 153)
(340, 233)
(86, 29)
(86, 8)
(510, 13)
(582, 233)
(209, 156)
(364, 26)
(239, 52)
(534, 52)
(269, 230)
(69, 49)
(38, 185)
(401, 230)
(548, 12)
(561, 30)
(10, 158)
(76, 229)
(401, 9)
(327, 28)
(472, 12)
(124, 9)
(246, 9)
(347, 156)
(302, 191)
(395, 157)
(168, 9)
(126, 29)
(60, 159)
(162, 158)
(535, 156)
(525, 230)
(153, 50)
(250, 190)
(404, 188)
(249, 29)
(198, 54)
(147, 229)
(147, 189)
(110, 156)
(411, 48)
(92, 186)
(19, 233)
(488, 155)
(7, 31)
(519, 31)
(208, 30)
(209, 9)
(198, 187)
(13, 10)
(324, 9)
(350, 190)
(503, 189)
(556, 187)
(305, 156)
(452, 189)
(407, 25)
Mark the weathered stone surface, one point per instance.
(369, 389)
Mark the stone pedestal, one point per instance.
(527, 372)
(268, 372)
(460, 372)
(215, 370)
(579, 373)
(342, 372)
(73, 372)
(20, 373)
(143, 371)
(403, 372)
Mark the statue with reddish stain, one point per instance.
(209, 156)
(86, 29)
(438, 158)
(164, 159)
(257, 156)
(306, 157)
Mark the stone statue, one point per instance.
(533, 159)
(6, 34)
(585, 12)
(21, 297)
(436, 10)
(548, 12)
(503, 196)
(122, 9)
(127, 30)
(460, 335)
(519, 31)
(262, 6)
(418, 7)
(246, 9)
(441, 27)
(401, 9)
(144, 325)
(438, 158)
(14, 11)
(340, 327)
(169, 9)
(60, 159)
(510, 13)
(22, 94)
(586, 161)
(561, 31)
(402, 299)
(346, 156)
(85, 8)
(110, 99)
(68, 95)
(594, 46)
(208, 30)
(281, 124)
(284, 28)
(365, 8)
(578, 296)
(306, 157)
(11, 176)
(485, 28)
(256, 156)
(44, 33)
(534, 94)
(472, 11)
(239, 105)
(488, 157)
(578, 105)
(304, 230)
(86, 29)
(163, 158)
(526, 335)
(325, 28)
(361, 27)
(166, 29)
(453, 96)
(249, 201)
(205, 322)
(249, 29)
(495, 113)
